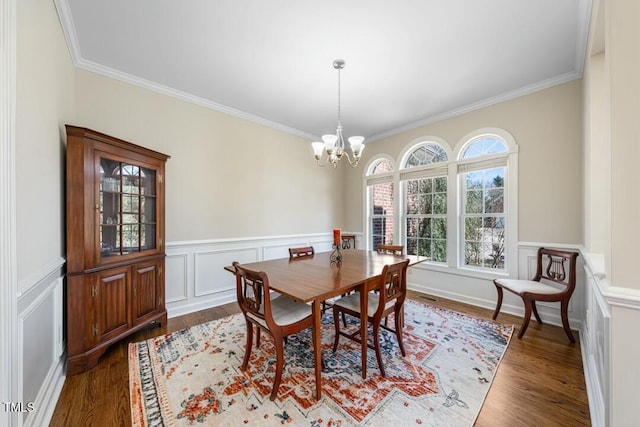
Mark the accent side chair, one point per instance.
(561, 282)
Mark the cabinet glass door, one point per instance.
(127, 208)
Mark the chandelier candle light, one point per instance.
(334, 145)
(336, 256)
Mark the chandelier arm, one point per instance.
(352, 162)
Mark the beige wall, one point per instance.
(622, 53)
(44, 102)
(547, 126)
(597, 169)
(227, 177)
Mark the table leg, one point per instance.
(364, 324)
(317, 345)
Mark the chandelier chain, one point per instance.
(339, 109)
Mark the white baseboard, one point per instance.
(47, 398)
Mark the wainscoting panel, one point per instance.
(210, 275)
(595, 348)
(41, 347)
(176, 277)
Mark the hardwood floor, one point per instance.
(540, 381)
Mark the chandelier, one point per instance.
(334, 145)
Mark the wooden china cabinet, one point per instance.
(115, 243)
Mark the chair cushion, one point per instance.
(352, 302)
(285, 311)
(522, 286)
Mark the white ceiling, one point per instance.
(408, 62)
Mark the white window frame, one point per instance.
(419, 172)
(508, 160)
(370, 180)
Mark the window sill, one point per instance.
(460, 271)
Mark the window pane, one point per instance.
(474, 201)
(494, 201)
(381, 214)
(426, 198)
(425, 185)
(440, 251)
(383, 166)
(382, 199)
(473, 229)
(484, 146)
(440, 203)
(474, 180)
(440, 184)
(412, 246)
(425, 204)
(424, 229)
(439, 228)
(426, 155)
(412, 227)
(412, 204)
(484, 218)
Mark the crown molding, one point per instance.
(166, 90)
(68, 29)
(525, 90)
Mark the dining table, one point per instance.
(319, 277)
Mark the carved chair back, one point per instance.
(301, 252)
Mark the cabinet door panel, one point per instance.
(111, 303)
(147, 295)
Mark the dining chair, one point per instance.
(390, 249)
(392, 290)
(553, 282)
(279, 317)
(304, 251)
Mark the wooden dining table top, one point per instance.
(315, 278)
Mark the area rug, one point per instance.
(192, 378)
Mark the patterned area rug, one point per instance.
(192, 376)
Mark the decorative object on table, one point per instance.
(333, 145)
(192, 377)
(336, 256)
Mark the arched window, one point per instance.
(424, 187)
(484, 215)
(380, 202)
